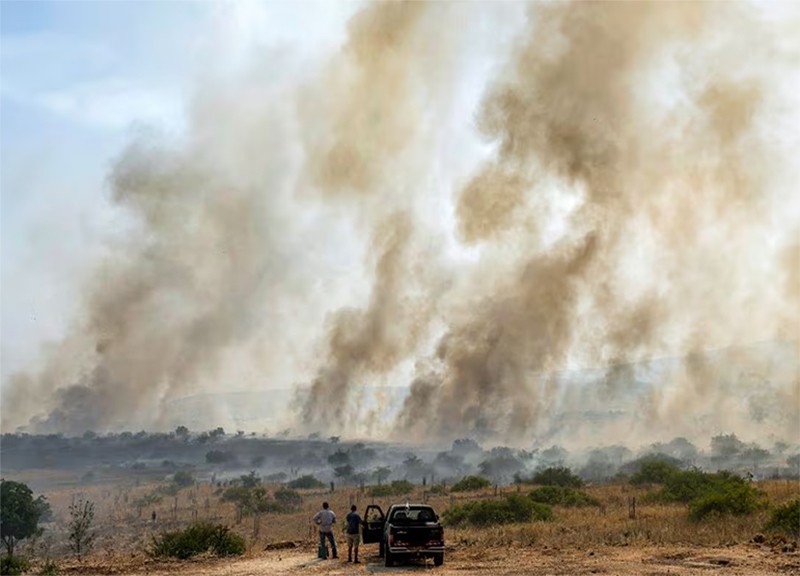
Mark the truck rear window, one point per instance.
(414, 515)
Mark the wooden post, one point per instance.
(632, 508)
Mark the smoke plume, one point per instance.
(624, 239)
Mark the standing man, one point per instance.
(325, 519)
(353, 524)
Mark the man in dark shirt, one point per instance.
(353, 524)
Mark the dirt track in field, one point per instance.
(739, 560)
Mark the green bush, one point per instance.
(556, 476)
(183, 478)
(196, 539)
(690, 485)
(148, 499)
(514, 508)
(470, 483)
(738, 499)
(709, 494)
(786, 518)
(170, 489)
(304, 483)
(683, 487)
(14, 565)
(288, 498)
(563, 496)
(49, 568)
(654, 471)
(438, 490)
(396, 488)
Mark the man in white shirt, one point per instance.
(325, 519)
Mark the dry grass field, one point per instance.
(659, 540)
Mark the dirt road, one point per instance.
(739, 560)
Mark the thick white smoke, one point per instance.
(626, 234)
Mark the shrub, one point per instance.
(148, 499)
(396, 488)
(196, 539)
(691, 485)
(683, 487)
(557, 476)
(738, 499)
(276, 477)
(470, 483)
(786, 518)
(288, 498)
(563, 496)
(709, 494)
(438, 490)
(81, 516)
(305, 482)
(183, 478)
(250, 480)
(654, 471)
(14, 565)
(219, 457)
(170, 489)
(49, 568)
(380, 491)
(513, 508)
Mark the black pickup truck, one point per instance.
(405, 531)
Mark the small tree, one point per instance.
(183, 478)
(19, 514)
(81, 516)
(381, 473)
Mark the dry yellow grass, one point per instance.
(124, 531)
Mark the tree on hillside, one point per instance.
(725, 446)
(81, 516)
(19, 514)
(43, 506)
(380, 474)
(183, 478)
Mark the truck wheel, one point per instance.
(381, 550)
(438, 559)
(388, 560)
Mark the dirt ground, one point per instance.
(740, 560)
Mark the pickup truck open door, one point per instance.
(374, 520)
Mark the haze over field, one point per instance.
(521, 213)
